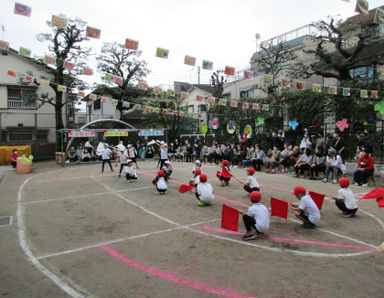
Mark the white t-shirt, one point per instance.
(335, 162)
(204, 189)
(105, 153)
(261, 215)
(132, 153)
(131, 171)
(196, 179)
(163, 153)
(252, 182)
(349, 198)
(123, 157)
(161, 184)
(310, 209)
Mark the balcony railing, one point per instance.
(20, 104)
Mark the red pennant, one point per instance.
(184, 188)
(377, 194)
(318, 198)
(225, 173)
(279, 208)
(230, 218)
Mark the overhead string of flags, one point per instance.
(362, 7)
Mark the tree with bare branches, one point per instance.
(218, 81)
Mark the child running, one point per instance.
(167, 168)
(224, 176)
(161, 184)
(346, 201)
(195, 180)
(307, 210)
(257, 217)
(251, 184)
(204, 191)
(130, 172)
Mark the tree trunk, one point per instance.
(59, 119)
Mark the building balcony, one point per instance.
(20, 104)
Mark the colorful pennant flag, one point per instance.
(362, 7)
(189, 60)
(184, 95)
(342, 124)
(108, 77)
(374, 94)
(332, 90)
(364, 93)
(24, 52)
(142, 85)
(162, 53)
(22, 10)
(61, 88)
(245, 105)
(234, 103)
(181, 114)
(118, 80)
(248, 75)
(208, 65)
(114, 101)
(229, 71)
(199, 98)
(29, 79)
(81, 94)
(126, 104)
(317, 198)
(49, 60)
(267, 79)
(286, 83)
(4, 46)
(379, 16)
(104, 99)
(137, 107)
(170, 92)
(12, 73)
(131, 44)
(256, 106)
(300, 85)
(229, 218)
(165, 111)
(222, 102)
(316, 88)
(211, 100)
(68, 65)
(92, 96)
(93, 32)
(59, 22)
(87, 71)
(200, 115)
(175, 113)
(157, 90)
(44, 83)
(346, 92)
(155, 110)
(279, 208)
(265, 108)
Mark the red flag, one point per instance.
(318, 198)
(12, 73)
(230, 218)
(184, 188)
(225, 173)
(279, 208)
(377, 194)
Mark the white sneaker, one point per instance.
(357, 184)
(157, 192)
(334, 181)
(365, 185)
(325, 180)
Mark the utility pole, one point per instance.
(3, 29)
(198, 75)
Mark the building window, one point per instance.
(21, 98)
(363, 72)
(96, 104)
(42, 136)
(227, 96)
(20, 136)
(191, 108)
(246, 94)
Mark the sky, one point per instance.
(222, 31)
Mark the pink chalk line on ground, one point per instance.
(290, 239)
(216, 196)
(169, 276)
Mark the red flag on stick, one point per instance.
(184, 188)
(377, 194)
(279, 208)
(318, 198)
(230, 218)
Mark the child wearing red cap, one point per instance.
(195, 180)
(161, 184)
(204, 191)
(224, 176)
(307, 210)
(257, 217)
(346, 201)
(250, 184)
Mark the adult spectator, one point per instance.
(338, 144)
(227, 153)
(276, 141)
(306, 141)
(273, 159)
(304, 162)
(333, 164)
(318, 164)
(286, 156)
(365, 168)
(258, 158)
(320, 142)
(367, 141)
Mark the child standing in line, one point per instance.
(204, 191)
(224, 176)
(257, 217)
(161, 184)
(307, 210)
(196, 166)
(167, 168)
(346, 201)
(251, 184)
(130, 172)
(195, 180)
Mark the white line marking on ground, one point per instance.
(23, 243)
(124, 239)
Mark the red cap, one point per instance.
(344, 182)
(197, 172)
(299, 190)
(160, 173)
(203, 178)
(225, 163)
(251, 171)
(255, 196)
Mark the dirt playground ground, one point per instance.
(77, 232)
